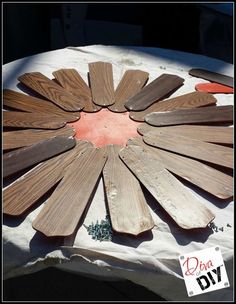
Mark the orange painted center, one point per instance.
(105, 127)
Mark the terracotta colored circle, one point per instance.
(105, 127)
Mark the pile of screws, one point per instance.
(100, 232)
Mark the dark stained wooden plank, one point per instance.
(25, 191)
(178, 201)
(72, 82)
(23, 138)
(153, 92)
(186, 101)
(212, 134)
(52, 91)
(212, 76)
(207, 178)
(101, 82)
(122, 200)
(32, 104)
(213, 88)
(32, 120)
(64, 208)
(194, 148)
(130, 84)
(23, 158)
(204, 115)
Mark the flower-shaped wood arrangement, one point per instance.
(180, 138)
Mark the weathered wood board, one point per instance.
(212, 76)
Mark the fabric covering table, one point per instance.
(150, 260)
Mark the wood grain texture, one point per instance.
(32, 104)
(52, 91)
(153, 92)
(212, 134)
(63, 210)
(186, 101)
(121, 198)
(25, 191)
(23, 158)
(179, 202)
(207, 178)
(23, 138)
(131, 83)
(212, 76)
(219, 114)
(101, 82)
(72, 82)
(194, 148)
(32, 120)
(213, 88)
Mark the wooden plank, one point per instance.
(194, 148)
(32, 120)
(207, 178)
(25, 191)
(23, 138)
(130, 84)
(23, 158)
(19, 101)
(219, 114)
(63, 210)
(212, 134)
(72, 82)
(214, 88)
(186, 101)
(153, 92)
(212, 76)
(101, 82)
(178, 201)
(121, 198)
(52, 91)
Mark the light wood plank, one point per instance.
(63, 210)
(153, 92)
(207, 178)
(121, 198)
(186, 101)
(101, 82)
(23, 158)
(130, 84)
(52, 91)
(179, 202)
(32, 104)
(23, 138)
(25, 191)
(212, 134)
(194, 148)
(219, 114)
(32, 120)
(72, 82)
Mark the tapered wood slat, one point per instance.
(179, 202)
(32, 120)
(128, 208)
(23, 158)
(31, 104)
(63, 210)
(23, 138)
(130, 84)
(52, 91)
(212, 134)
(220, 114)
(214, 88)
(101, 82)
(186, 101)
(199, 174)
(25, 191)
(72, 82)
(153, 92)
(212, 76)
(194, 148)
